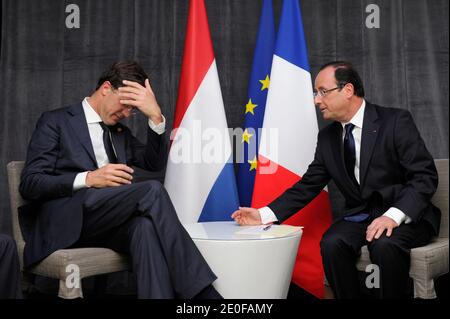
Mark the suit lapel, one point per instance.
(368, 139)
(79, 126)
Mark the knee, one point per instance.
(331, 244)
(153, 189)
(153, 185)
(383, 247)
(154, 195)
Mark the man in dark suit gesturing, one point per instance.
(379, 162)
(79, 179)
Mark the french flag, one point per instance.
(288, 142)
(200, 176)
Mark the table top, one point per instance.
(230, 230)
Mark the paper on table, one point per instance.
(251, 230)
(274, 231)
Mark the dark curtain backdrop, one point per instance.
(44, 65)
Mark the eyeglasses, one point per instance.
(322, 92)
(132, 110)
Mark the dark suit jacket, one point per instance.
(396, 170)
(59, 149)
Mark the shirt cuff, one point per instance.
(397, 215)
(80, 181)
(267, 215)
(158, 128)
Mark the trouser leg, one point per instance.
(10, 285)
(340, 247)
(392, 256)
(137, 237)
(106, 209)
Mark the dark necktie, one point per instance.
(108, 143)
(350, 160)
(349, 152)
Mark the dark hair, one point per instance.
(123, 70)
(344, 72)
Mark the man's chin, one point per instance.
(113, 120)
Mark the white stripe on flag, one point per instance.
(189, 183)
(290, 104)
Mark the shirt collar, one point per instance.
(358, 118)
(89, 112)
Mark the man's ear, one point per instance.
(105, 88)
(349, 90)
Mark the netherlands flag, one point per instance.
(200, 176)
(288, 144)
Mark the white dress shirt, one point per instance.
(268, 216)
(96, 133)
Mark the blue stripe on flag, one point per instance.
(262, 63)
(291, 42)
(222, 199)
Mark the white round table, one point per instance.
(249, 262)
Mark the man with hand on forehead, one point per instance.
(78, 178)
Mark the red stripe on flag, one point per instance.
(315, 218)
(197, 57)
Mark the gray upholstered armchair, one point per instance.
(430, 261)
(91, 261)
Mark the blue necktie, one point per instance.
(108, 144)
(350, 160)
(356, 218)
(349, 152)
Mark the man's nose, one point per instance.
(317, 100)
(127, 112)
